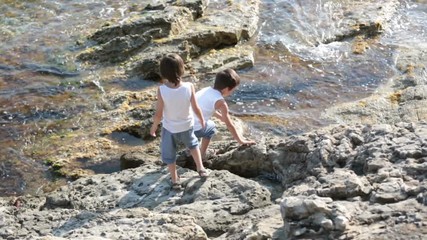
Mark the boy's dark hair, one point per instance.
(227, 78)
(172, 68)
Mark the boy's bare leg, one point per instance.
(195, 153)
(204, 146)
(173, 172)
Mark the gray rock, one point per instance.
(296, 208)
(343, 184)
(390, 191)
(341, 223)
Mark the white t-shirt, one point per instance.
(177, 113)
(206, 98)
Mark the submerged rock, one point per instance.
(401, 99)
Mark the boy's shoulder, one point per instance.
(203, 90)
(187, 84)
(209, 93)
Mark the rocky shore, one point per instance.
(364, 178)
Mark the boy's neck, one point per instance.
(172, 85)
(220, 91)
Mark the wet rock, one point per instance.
(197, 7)
(236, 57)
(402, 99)
(117, 49)
(146, 63)
(360, 45)
(359, 20)
(169, 20)
(49, 70)
(136, 159)
(188, 28)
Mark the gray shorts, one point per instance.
(208, 132)
(170, 140)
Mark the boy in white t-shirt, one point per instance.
(175, 99)
(211, 102)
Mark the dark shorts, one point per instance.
(208, 132)
(169, 142)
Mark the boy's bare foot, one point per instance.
(203, 174)
(176, 185)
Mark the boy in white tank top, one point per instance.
(212, 103)
(175, 99)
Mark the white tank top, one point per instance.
(177, 113)
(206, 98)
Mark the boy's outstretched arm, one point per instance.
(223, 115)
(158, 115)
(196, 107)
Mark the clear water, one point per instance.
(294, 79)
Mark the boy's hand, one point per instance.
(153, 130)
(203, 124)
